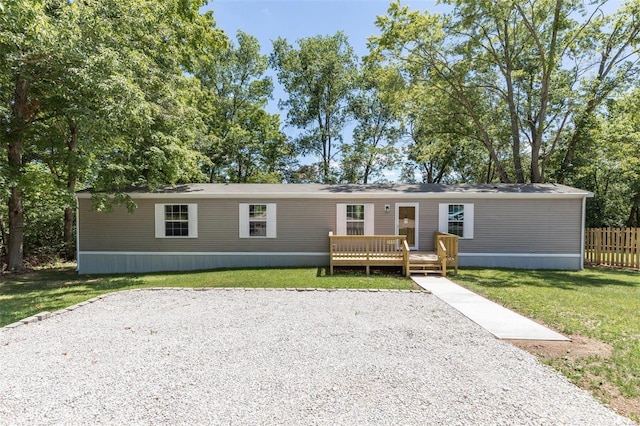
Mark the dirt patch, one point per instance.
(576, 352)
(629, 407)
(578, 347)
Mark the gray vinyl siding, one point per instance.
(500, 226)
(218, 228)
(428, 223)
(302, 225)
(514, 227)
(525, 226)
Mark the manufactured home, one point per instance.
(207, 226)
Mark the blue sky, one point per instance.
(294, 19)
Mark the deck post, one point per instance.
(405, 256)
(330, 253)
(368, 250)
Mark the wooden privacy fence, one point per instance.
(613, 247)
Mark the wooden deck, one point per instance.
(393, 250)
(368, 250)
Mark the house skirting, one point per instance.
(522, 260)
(102, 262)
(105, 262)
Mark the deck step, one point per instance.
(425, 271)
(425, 267)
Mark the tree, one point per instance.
(24, 46)
(439, 145)
(244, 142)
(319, 78)
(522, 73)
(378, 127)
(98, 90)
(614, 44)
(614, 178)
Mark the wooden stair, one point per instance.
(424, 262)
(445, 255)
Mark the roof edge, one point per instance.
(256, 194)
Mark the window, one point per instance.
(354, 219)
(456, 219)
(257, 220)
(176, 220)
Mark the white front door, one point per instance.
(407, 222)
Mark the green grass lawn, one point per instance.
(51, 289)
(599, 303)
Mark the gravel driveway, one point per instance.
(277, 357)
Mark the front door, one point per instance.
(407, 222)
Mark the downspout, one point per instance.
(77, 235)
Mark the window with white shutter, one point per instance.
(257, 220)
(355, 219)
(176, 220)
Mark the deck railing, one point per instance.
(450, 242)
(441, 251)
(367, 250)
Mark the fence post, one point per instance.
(598, 232)
(627, 248)
(637, 247)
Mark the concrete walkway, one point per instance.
(500, 321)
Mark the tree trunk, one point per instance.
(21, 113)
(3, 234)
(72, 178)
(3, 231)
(577, 135)
(634, 216)
(15, 249)
(513, 111)
(489, 171)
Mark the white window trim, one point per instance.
(244, 220)
(193, 220)
(468, 223)
(341, 218)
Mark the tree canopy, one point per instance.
(319, 77)
(112, 94)
(523, 79)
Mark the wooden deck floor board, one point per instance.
(422, 256)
